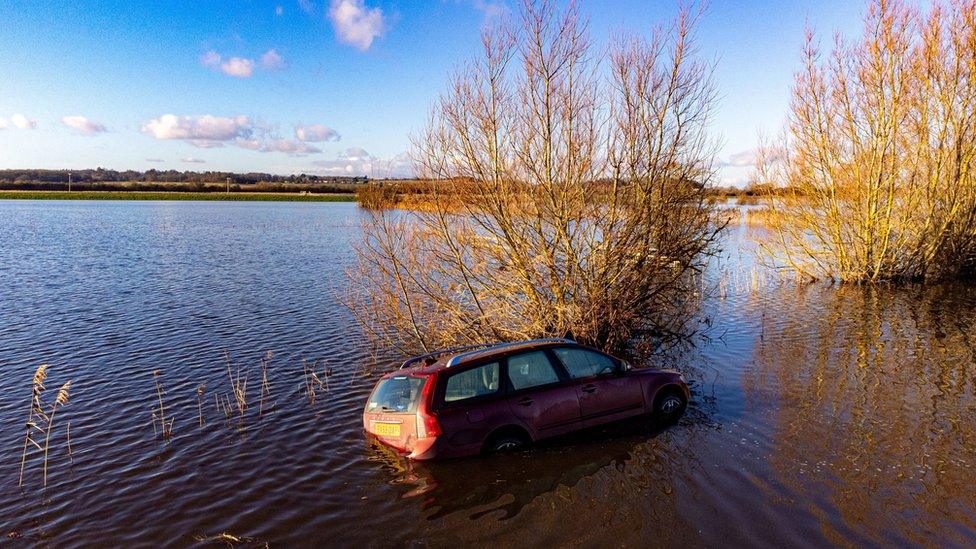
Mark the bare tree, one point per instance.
(879, 151)
(564, 194)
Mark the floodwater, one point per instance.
(820, 415)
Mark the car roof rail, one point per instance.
(467, 350)
(456, 359)
(433, 354)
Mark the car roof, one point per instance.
(458, 356)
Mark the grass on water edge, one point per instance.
(176, 195)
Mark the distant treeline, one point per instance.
(173, 180)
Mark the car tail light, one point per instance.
(427, 425)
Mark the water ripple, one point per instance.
(819, 415)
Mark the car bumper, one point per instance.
(420, 449)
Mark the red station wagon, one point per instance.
(488, 398)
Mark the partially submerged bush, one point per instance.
(880, 152)
(561, 198)
(376, 196)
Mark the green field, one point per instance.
(175, 195)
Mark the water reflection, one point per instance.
(524, 498)
(875, 421)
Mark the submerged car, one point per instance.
(488, 398)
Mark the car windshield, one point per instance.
(396, 394)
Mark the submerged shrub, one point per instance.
(879, 154)
(560, 198)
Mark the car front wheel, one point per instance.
(669, 408)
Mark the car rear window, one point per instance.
(530, 370)
(472, 383)
(398, 394)
(582, 363)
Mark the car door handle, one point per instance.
(525, 401)
(589, 388)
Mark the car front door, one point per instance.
(540, 395)
(605, 392)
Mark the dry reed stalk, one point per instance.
(36, 410)
(238, 386)
(309, 388)
(41, 421)
(201, 389)
(228, 409)
(265, 384)
(165, 427)
(326, 374)
(60, 400)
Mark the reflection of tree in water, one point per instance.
(877, 416)
(625, 477)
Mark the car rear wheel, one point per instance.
(504, 443)
(669, 408)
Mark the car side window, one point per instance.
(472, 383)
(582, 363)
(531, 370)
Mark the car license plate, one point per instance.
(387, 429)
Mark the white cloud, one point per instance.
(22, 122)
(279, 10)
(272, 61)
(83, 125)
(157, 160)
(749, 158)
(354, 23)
(287, 146)
(242, 67)
(238, 67)
(306, 5)
(18, 121)
(491, 8)
(200, 131)
(192, 160)
(741, 159)
(210, 59)
(209, 131)
(315, 133)
(356, 161)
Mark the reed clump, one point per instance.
(238, 385)
(239, 399)
(314, 379)
(40, 420)
(875, 177)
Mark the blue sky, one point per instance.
(233, 85)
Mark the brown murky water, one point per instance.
(820, 415)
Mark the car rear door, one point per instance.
(605, 392)
(541, 395)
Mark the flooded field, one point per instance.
(820, 415)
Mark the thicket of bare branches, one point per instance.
(879, 150)
(564, 194)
